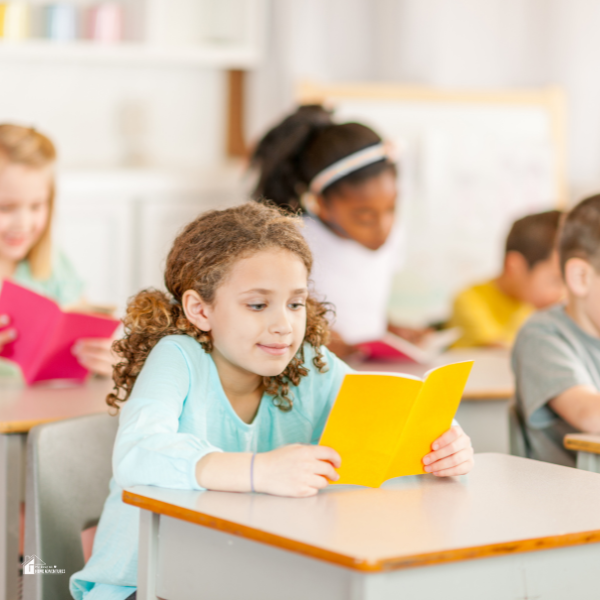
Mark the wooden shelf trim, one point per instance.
(358, 563)
(234, 56)
(582, 442)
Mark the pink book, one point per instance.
(393, 348)
(46, 334)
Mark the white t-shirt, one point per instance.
(356, 280)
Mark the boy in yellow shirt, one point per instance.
(491, 313)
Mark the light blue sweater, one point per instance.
(177, 413)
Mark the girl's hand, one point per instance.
(295, 470)
(452, 454)
(6, 335)
(96, 355)
(414, 336)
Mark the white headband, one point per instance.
(347, 165)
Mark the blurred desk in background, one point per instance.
(587, 446)
(22, 408)
(484, 410)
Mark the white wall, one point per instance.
(176, 114)
(450, 43)
(100, 115)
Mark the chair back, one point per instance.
(69, 466)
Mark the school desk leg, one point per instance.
(148, 555)
(588, 462)
(12, 449)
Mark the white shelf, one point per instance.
(228, 56)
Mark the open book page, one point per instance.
(46, 335)
(59, 361)
(430, 417)
(366, 422)
(35, 319)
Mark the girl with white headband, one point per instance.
(343, 176)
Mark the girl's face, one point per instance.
(24, 207)
(362, 212)
(258, 317)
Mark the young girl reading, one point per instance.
(27, 161)
(225, 383)
(344, 177)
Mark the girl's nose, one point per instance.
(281, 324)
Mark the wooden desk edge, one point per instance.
(24, 426)
(27, 424)
(358, 564)
(580, 444)
(479, 395)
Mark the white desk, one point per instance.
(21, 408)
(415, 538)
(587, 446)
(484, 410)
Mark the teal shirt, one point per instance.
(177, 413)
(63, 286)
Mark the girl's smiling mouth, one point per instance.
(274, 349)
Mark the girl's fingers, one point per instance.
(453, 447)
(100, 343)
(325, 469)
(98, 366)
(4, 320)
(447, 438)
(317, 482)
(461, 469)
(328, 454)
(6, 336)
(94, 353)
(451, 461)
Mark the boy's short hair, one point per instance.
(580, 233)
(534, 236)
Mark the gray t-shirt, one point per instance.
(551, 354)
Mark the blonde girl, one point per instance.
(225, 382)
(27, 189)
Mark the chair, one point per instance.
(68, 472)
(518, 438)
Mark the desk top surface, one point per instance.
(490, 379)
(22, 407)
(583, 442)
(505, 505)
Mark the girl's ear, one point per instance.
(515, 264)
(578, 276)
(195, 310)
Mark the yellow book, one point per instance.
(383, 424)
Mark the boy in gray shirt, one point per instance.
(556, 357)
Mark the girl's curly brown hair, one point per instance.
(201, 256)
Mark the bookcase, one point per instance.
(211, 33)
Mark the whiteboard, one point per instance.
(470, 163)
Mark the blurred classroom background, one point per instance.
(152, 104)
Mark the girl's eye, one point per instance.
(296, 305)
(256, 307)
(5, 208)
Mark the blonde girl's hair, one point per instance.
(201, 257)
(27, 146)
